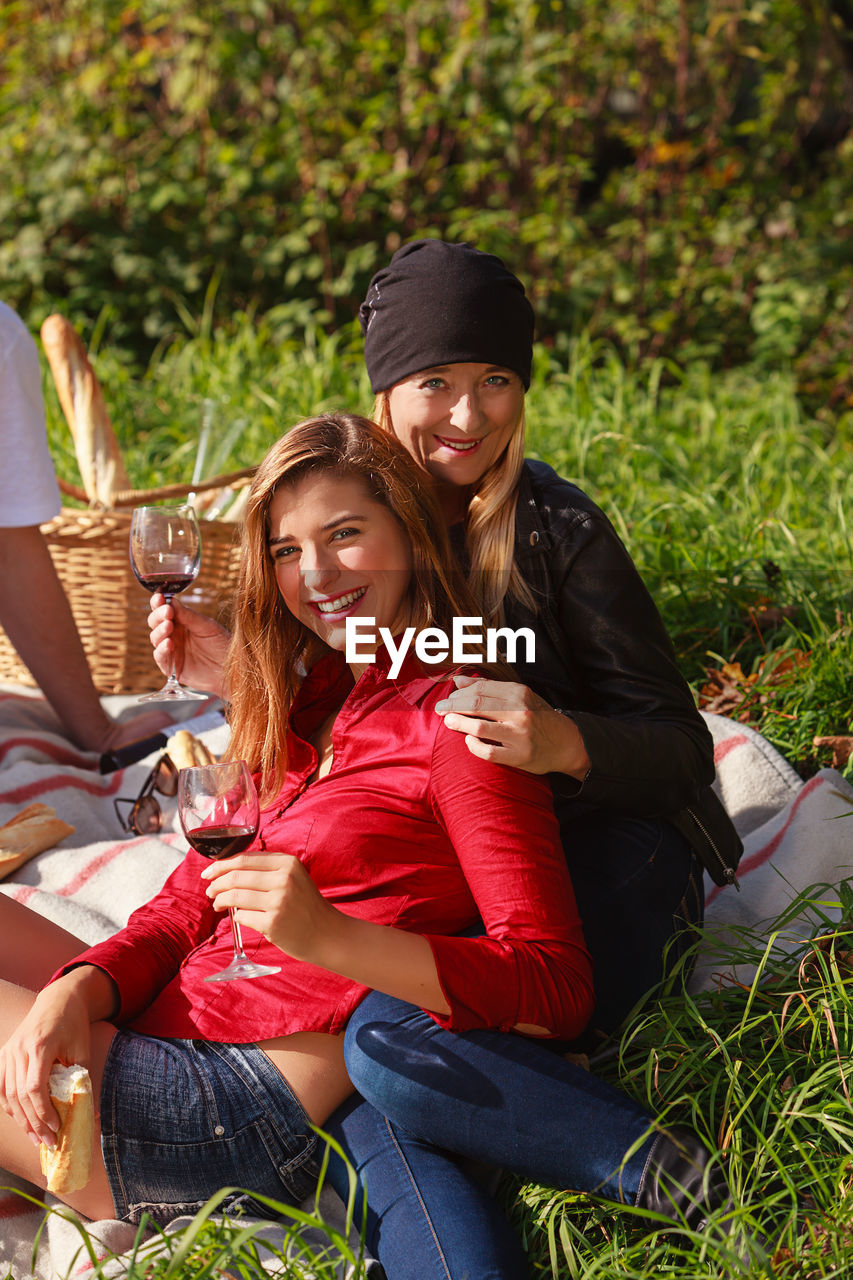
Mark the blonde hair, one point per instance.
(270, 648)
(489, 526)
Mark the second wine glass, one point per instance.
(218, 808)
(165, 555)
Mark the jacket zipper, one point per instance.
(540, 566)
(728, 872)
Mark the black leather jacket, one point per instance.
(603, 656)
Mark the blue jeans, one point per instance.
(638, 885)
(429, 1216)
(433, 1096)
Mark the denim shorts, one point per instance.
(181, 1119)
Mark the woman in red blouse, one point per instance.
(382, 841)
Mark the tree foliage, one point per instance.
(671, 174)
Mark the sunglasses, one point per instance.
(145, 817)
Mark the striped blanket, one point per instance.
(798, 843)
(793, 833)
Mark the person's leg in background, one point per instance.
(511, 1102)
(507, 1101)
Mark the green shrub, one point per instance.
(673, 177)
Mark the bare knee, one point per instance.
(32, 947)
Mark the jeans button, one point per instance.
(219, 1131)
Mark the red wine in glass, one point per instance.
(165, 555)
(221, 842)
(167, 583)
(219, 811)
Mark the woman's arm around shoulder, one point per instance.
(509, 723)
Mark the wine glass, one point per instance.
(165, 554)
(218, 808)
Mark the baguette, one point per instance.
(31, 811)
(235, 513)
(68, 1166)
(188, 752)
(31, 831)
(98, 455)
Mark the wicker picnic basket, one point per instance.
(90, 545)
(90, 550)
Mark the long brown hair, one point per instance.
(270, 648)
(489, 526)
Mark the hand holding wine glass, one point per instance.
(165, 555)
(219, 811)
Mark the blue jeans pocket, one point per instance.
(181, 1119)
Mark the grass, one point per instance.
(217, 1244)
(761, 1070)
(245, 387)
(225, 1246)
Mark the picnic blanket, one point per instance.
(794, 834)
(798, 842)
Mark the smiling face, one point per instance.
(456, 420)
(338, 552)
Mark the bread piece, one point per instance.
(29, 832)
(31, 811)
(235, 513)
(69, 1165)
(98, 455)
(187, 751)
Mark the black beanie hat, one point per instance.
(439, 303)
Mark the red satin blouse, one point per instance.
(407, 829)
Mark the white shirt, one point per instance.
(29, 493)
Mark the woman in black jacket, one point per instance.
(602, 708)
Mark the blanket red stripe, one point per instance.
(61, 782)
(59, 752)
(760, 856)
